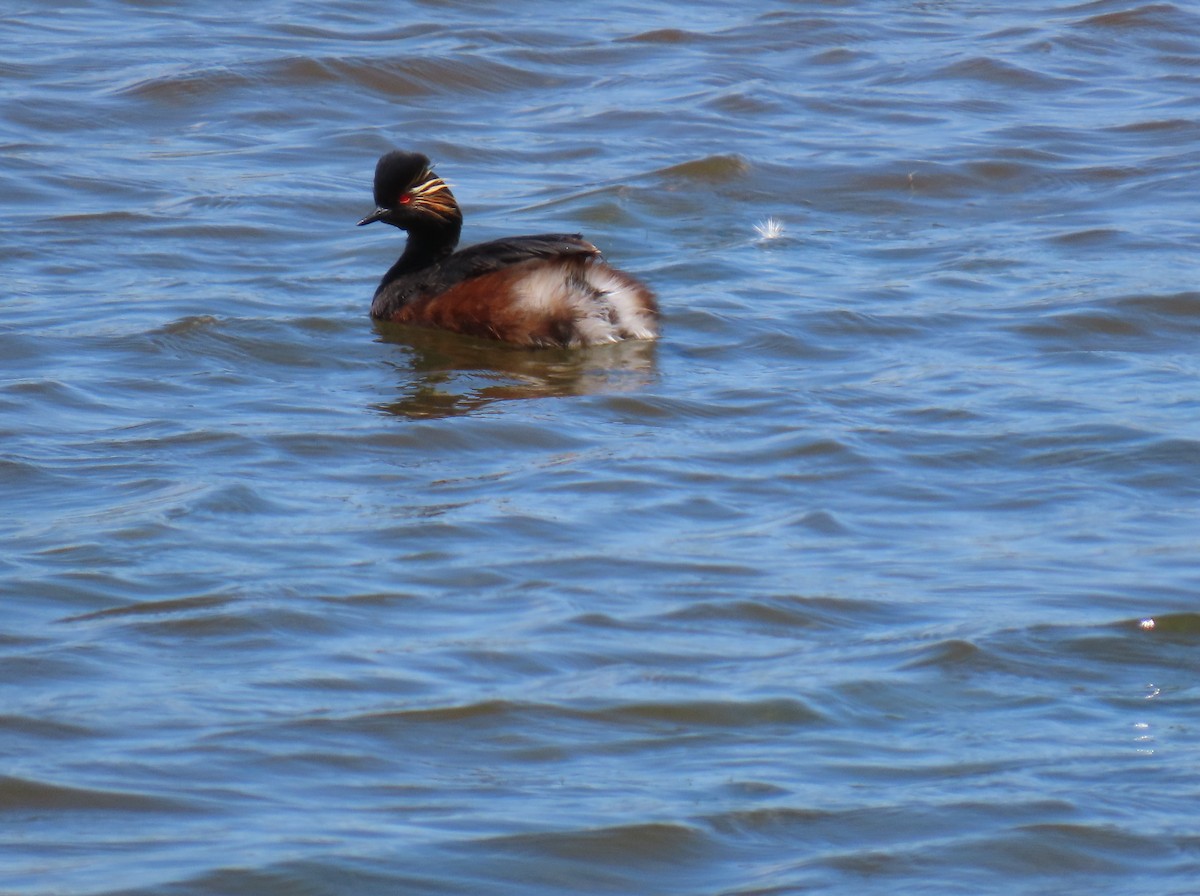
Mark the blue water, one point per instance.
(877, 574)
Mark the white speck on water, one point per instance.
(770, 229)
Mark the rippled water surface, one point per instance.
(878, 574)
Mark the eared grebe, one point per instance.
(548, 290)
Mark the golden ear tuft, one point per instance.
(434, 195)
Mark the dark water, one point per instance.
(877, 575)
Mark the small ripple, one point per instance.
(44, 668)
(240, 500)
(1173, 309)
(24, 795)
(186, 325)
(1158, 126)
(1063, 848)
(42, 728)
(1142, 322)
(1129, 644)
(238, 344)
(1155, 17)
(723, 714)
(1004, 74)
(622, 845)
(708, 170)
(1094, 236)
(669, 719)
(157, 607)
(212, 617)
(776, 822)
(784, 616)
(950, 654)
(1079, 325)
(408, 76)
(307, 877)
(186, 85)
(852, 324)
(1127, 654)
(1177, 627)
(669, 36)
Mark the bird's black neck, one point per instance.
(425, 248)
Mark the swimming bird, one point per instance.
(545, 290)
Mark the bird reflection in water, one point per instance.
(448, 375)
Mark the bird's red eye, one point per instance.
(405, 199)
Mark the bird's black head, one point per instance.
(410, 196)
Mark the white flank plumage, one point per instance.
(604, 305)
